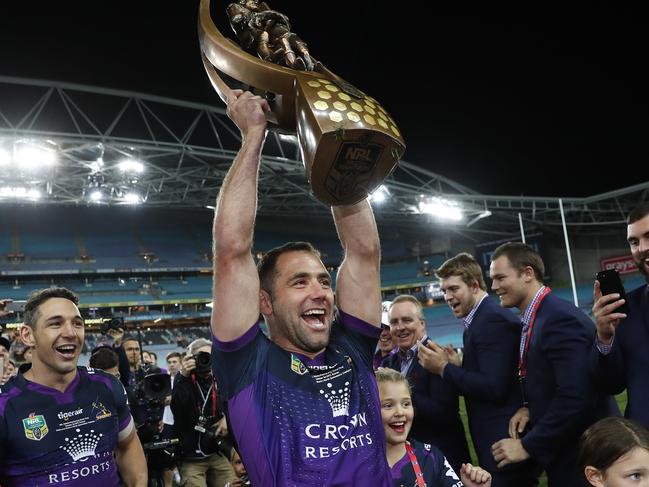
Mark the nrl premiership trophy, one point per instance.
(349, 143)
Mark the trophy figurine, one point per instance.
(349, 143)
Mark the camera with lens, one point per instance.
(111, 324)
(147, 398)
(203, 363)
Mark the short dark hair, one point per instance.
(267, 264)
(172, 355)
(103, 358)
(638, 213)
(38, 297)
(130, 338)
(465, 267)
(608, 439)
(521, 256)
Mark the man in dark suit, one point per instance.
(436, 404)
(621, 358)
(559, 397)
(487, 375)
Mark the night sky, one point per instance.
(535, 100)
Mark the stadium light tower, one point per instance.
(380, 194)
(33, 155)
(441, 208)
(5, 157)
(96, 196)
(19, 193)
(132, 198)
(129, 165)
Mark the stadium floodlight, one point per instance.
(441, 208)
(96, 196)
(96, 166)
(20, 193)
(32, 155)
(380, 194)
(5, 157)
(132, 198)
(129, 165)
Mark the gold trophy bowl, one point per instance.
(348, 141)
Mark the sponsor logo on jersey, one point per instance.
(81, 446)
(297, 366)
(35, 427)
(103, 411)
(66, 415)
(328, 440)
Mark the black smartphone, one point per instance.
(609, 283)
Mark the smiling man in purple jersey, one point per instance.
(303, 407)
(59, 423)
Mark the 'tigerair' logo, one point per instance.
(35, 427)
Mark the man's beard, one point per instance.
(642, 267)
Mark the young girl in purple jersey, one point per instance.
(415, 464)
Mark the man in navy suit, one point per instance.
(621, 355)
(559, 400)
(436, 404)
(487, 375)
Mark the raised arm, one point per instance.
(358, 284)
(236, 285)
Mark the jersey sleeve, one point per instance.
(236, 363)
(124, 419)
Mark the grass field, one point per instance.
(620, 398)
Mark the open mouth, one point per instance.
(455, 307)
(398, 427)
(67, 351)
(315, 318)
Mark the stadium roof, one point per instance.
(137, 148)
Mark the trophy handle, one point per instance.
(224, 91)
(222, 58)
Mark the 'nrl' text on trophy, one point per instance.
(349, 143)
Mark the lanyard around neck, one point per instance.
(205, 397)
(522, 363)
(415, 466)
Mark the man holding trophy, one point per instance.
(303, 405)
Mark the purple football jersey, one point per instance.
(306, 422)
